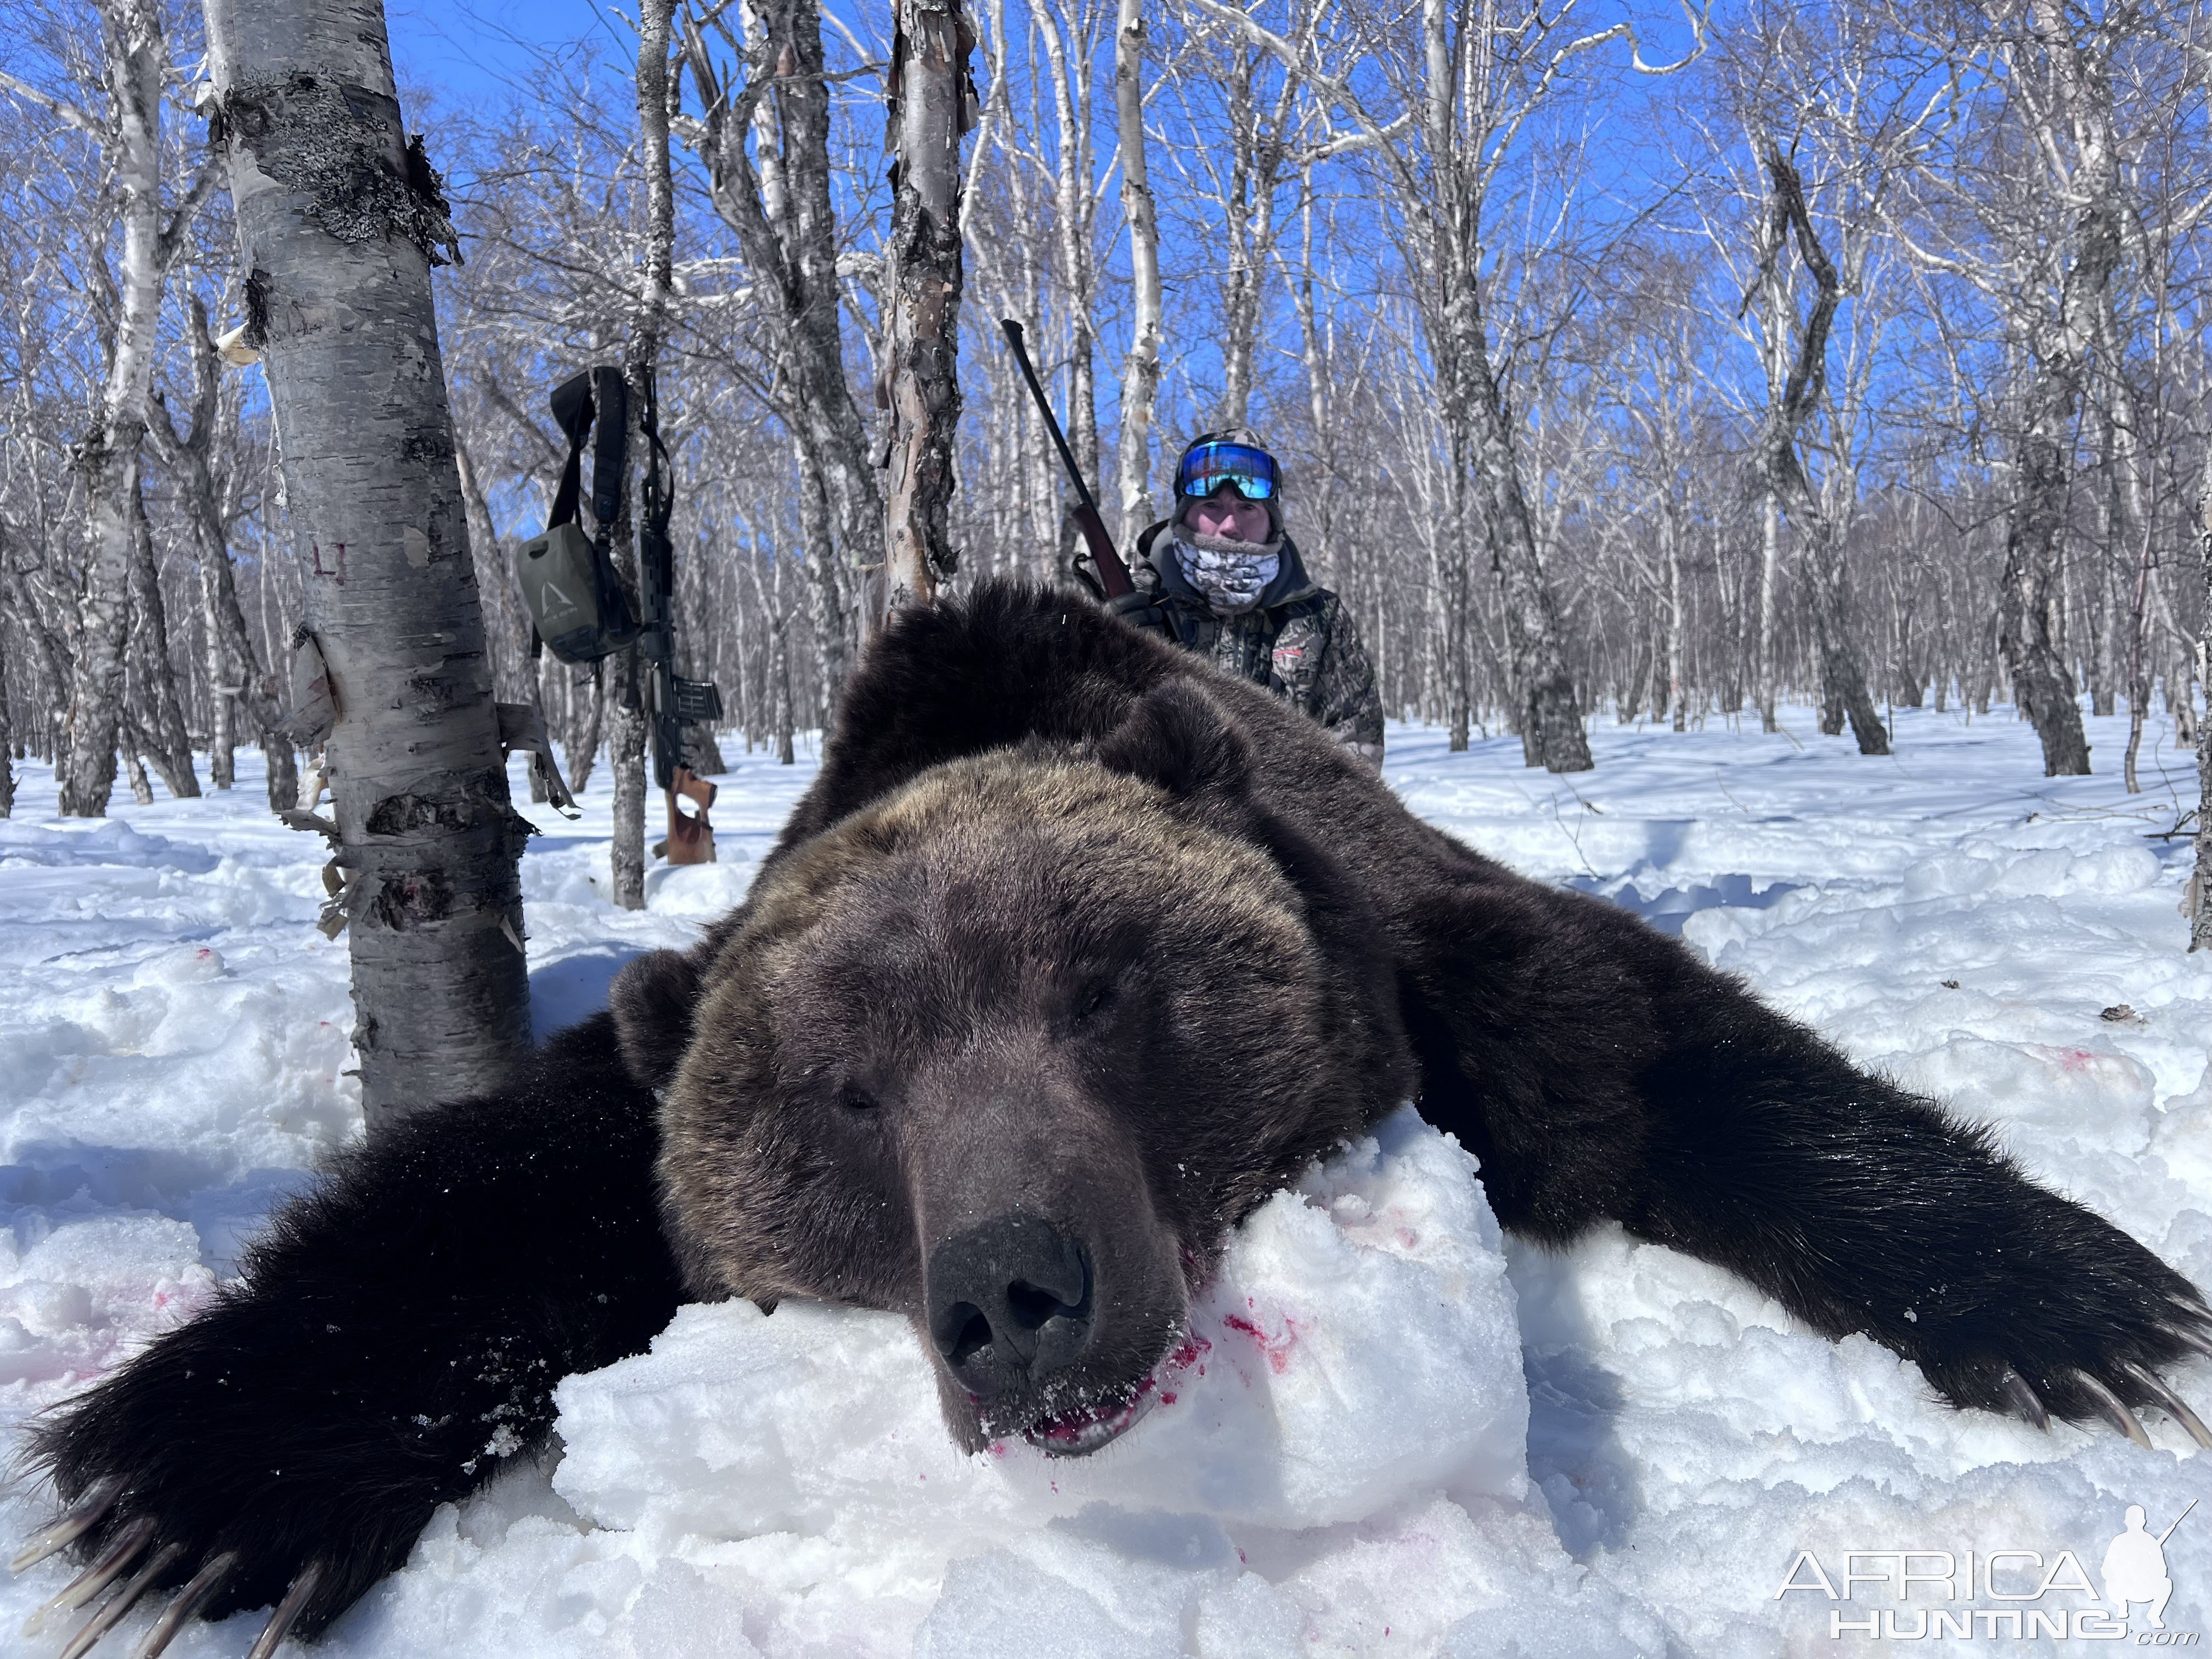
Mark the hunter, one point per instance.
(1225, 580)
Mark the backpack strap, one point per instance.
(611, 455)
(573, 408)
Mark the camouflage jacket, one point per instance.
(1299, 642)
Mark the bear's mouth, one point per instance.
(1086, 1429)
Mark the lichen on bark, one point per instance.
(336, 152)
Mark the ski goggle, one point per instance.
(1205, 468)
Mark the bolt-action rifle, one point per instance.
(1113, 575)
(671, 701)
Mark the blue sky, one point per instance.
(468, 50)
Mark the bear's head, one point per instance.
(1009, 1050)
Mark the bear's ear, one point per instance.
(651, 998)
(1180, 739)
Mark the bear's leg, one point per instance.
(396, 1339)
(1861, 1207)
(1599, 1069)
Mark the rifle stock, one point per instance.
(1113, 575)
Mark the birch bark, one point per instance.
(790, 244)
(2058, 340)
(628, 741)
(1141, 367)
(158, 715)
(1074, 218)
(339, 218)
(2200, 884)
(922, 275)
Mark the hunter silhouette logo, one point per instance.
(2135, 1567)
(2011, 1586)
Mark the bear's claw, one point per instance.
(110, 1612)
(2112, 1409)
(84, 1516)
(287, 1612)
(2189, 1336)
(105, 1569)
(186, 1602)
(2025, 1401)
(2170, 1403)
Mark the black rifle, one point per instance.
(672, 701)
(1113, 575)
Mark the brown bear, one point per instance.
(1074, 952)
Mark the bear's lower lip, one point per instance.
(1078, 1433)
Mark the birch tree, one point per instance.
(931, 104)
(134, 68)
(1468, 80)
(764, 139)
(1843, 672)
(339, 221)
(1141, 367)
(2200, 883)
(2045, 248)
(641, 362)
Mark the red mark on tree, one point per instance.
(335, 570)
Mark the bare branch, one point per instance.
(60, 107)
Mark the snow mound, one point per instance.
(1357, 1349)
(1338, 1450)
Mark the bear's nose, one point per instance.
(1009, 1302)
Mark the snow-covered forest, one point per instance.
(1373, 255)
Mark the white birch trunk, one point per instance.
(921, 288)
(1769, 557)
(136, 55)
(337, 218)
(1140, 367)
(627, 742)
(2200, 884)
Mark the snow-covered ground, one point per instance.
(1358, 1457)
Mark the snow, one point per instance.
(1391, 1431)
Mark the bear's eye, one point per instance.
(1094, 1001)
(854, 1098)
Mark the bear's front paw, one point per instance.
(218, 1467)
(130, 1554)
(2079, 1329)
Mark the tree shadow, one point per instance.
(573, 989)
(1575, 1451)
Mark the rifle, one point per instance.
(1113, 575)
(672, 702)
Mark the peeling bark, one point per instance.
(922, 287)
(336, 218)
